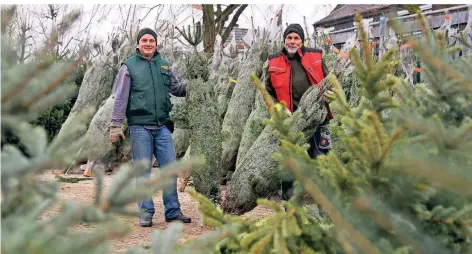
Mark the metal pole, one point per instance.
(75, 160)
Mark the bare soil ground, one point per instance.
(84, 191)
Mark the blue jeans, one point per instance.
(145, 143)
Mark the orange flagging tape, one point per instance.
(404, 46)
(416, 69)
(340, 52)
(344, 54)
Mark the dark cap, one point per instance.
(146, 31)
(295, 28)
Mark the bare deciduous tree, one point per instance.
(214, 22)
(20, 31)
(68, 43)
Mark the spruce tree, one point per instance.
(402, 184)
(203, 119)
(27, 91)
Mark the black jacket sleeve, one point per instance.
(177, 86)
(325, 68)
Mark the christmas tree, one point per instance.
(402, 182)
(28, 89)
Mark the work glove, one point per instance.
(279, 108)
(329, 96)
(116, 134)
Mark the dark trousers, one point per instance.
(320, 143)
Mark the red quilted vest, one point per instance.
(280, 73)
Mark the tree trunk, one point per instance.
(239, 108)
(181, 138)
(257, 174)
(205, 136)
(209, 30)
(234, 20)
(181, 135)
(214, 22)
(22, 41)
(185, 177)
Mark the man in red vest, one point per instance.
(290, 73)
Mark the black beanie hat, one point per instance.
(295, 28)
(146, 31)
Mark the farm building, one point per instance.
(340, 22)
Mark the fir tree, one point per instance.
(403, 182)
(204, 126)
(401, 185)
(28, 90)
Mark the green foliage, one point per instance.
(197, 66)
(205, 138)
(402, 182)
(27, 91)
(179, 114)
(227, 75)
(401, 164)
(53, 119)
(290, 231)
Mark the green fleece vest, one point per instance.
(149, 99)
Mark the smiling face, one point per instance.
(293, 42)
(147, 45)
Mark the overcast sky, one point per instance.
(110, 17)
(260, 12)
(292, 13)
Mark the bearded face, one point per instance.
(292, 43)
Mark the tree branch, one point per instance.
(94, 12)
(227, 11)
(131, 24)
(225, 16)
(66, 47)
(185, 44)
(152, 8)
(233, 22)
(182, 32)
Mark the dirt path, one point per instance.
(84, 191)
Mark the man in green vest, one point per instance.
(142, 94)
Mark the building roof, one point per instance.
(240, 33)
(337, 7)
(349, 10)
